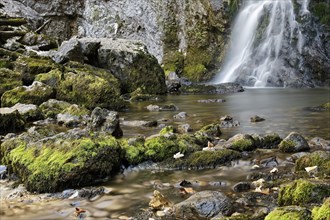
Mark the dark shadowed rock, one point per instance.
(105, 120)
(241, 187)
(205, 204)
(294, 142)
(256, 118)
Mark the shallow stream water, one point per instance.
(131, 191)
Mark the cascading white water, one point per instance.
(259, 34)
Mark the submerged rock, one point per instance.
(205, 204)
(223, 88)
(256, 118)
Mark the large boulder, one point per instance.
(205, 204)
(36, 94)
(90, 87)
(294, 142)
(66, 160)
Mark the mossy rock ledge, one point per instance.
(289, 213)
(66, 160)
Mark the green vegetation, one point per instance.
(289, 213)
(287, 146)
(9, 80)
(323, 212)
(243, 145)
(321, 9)
(321, 159)
(303, 192)
(60, 164)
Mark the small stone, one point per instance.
(256, 118)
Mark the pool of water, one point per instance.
(131, 191)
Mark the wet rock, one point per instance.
(241, 187)
(170, 107)
(294, 142)
(105, 120)
(18, 192)
(11, 122)
(29, 112)
(208, 133)
(210, 100)
(184, 128)
(303, 192)
(321, 159)
(228, 122)
(158, 201)
(318, 142)
(241, 142)
(205, 204)
(269, 162)
(223, 88)
(291, 212)
(137, 123)
(256, 118)
(320, 108)
(294, 157)
(153, 108)
(181, 115)
(53, 107)
(267, 141)
(36, 94)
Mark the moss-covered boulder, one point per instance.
(267, 141)
(303, 192)
(29, 67)
(52, 78)
(165, 146)
(131, 63)
(69, 160)
(10, 121)
(9, 80)
(321, 159)
(289, 213)
(90, 87)
(208, 132)
(53, 107)
(207, 159)
(323, 212)
(294, 142)
(241, 142)
(29, 112)
(36, 94)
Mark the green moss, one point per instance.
(56, 165)
(167, 129)
(51, 78)
(9, 80)
(289, 213)
(4, 63)
(90, 87)
(76, 110)
(326, 106)
(243, 145)
(29, 67)
(12, 122)
(302, 192)
(322, 10)
(135, 152)
(36, 94)
(287, 146)
(270, 141)
(207, 159)
(317, 158)
(173, 62)
(323, 212)
(53, 107)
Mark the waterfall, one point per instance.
(263, 33)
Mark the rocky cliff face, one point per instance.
(189, 37)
